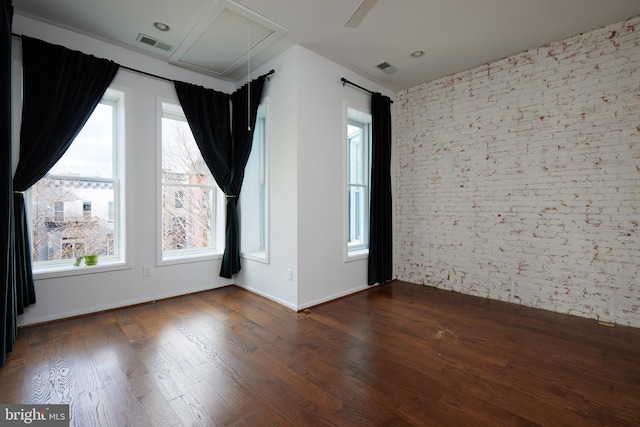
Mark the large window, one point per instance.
(254, 194)
(76, 209)
(189, 192)
(358, 172)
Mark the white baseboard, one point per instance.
(106, 307)
(333, 297)
(269, 297)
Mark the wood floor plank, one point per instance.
(393, 355)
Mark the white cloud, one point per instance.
(91, 153)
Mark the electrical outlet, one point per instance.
(290, 275)
(146, 271)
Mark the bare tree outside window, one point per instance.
(188, 189)
(62, 227)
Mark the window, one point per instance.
(358, 169)
(86, 211)
(76, 208)
(58, 212)
(254, 194)
(179, 195)
(189, 192)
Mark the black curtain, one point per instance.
(9, 329)
(61, 88)
(242, 131)
(380, 267)
(224, 137)
(208, 113)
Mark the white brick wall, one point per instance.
(520, 180)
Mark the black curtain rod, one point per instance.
(171, 80)
(146, 74)
(345, 81)
(149, 74)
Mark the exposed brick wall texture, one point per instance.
(520, 180)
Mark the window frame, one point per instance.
(356, 115)
(186, 255)
(257, 252)
(120, 97)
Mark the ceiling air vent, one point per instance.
(387, 68)
(142, 38)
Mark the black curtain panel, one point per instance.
(224, 138)
(380, 267)
(61, 88)
(245, 102)
(208, 113)
(9, 329)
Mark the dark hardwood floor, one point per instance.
(394, 355)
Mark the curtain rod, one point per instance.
(345, 81)
(150, 74)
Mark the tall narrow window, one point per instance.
(75, 209)
(358, 172)
(189, 223)
(254, 195)
(58, 215)
(86, 211)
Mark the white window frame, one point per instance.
(171, 108)
(256, 247)
(119, 97)
(358, 116)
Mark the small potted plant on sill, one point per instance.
(91, 259)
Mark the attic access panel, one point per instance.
(218, 44)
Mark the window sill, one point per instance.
(65, 270)
(259, 256)
(357, 255)
(173, 259)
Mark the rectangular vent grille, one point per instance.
(143, 38)
(387, 68)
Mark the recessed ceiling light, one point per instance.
(161, 26)
(417, 53)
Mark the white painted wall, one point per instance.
(308, 190)
(271, 279)
(323, 273)
(78, 294)
(520, 181)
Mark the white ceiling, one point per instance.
(213, 36)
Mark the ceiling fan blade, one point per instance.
(360, 13)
